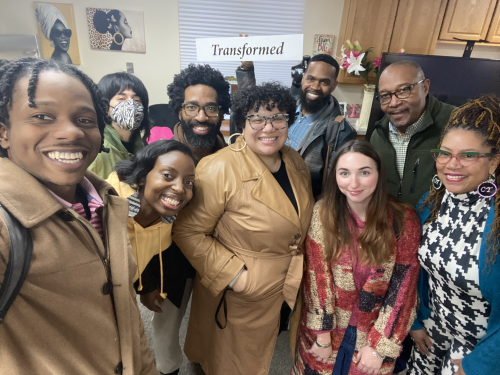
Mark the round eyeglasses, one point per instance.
(464, 158)
(192, 110)
(258, 122)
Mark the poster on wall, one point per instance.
(323, 43)
(116, 30)
(57, 31)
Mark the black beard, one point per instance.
(312, 106)
(199, 141)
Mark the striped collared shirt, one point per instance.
(400, 143)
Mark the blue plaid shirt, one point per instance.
(301, 125)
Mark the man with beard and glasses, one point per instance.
(319, 129)
(199, 95)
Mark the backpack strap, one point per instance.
(21, 248)
(330, 138)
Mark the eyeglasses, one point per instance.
(401, 93)
(193, 109)
(57, 33)
(466, 159)
(258, 122)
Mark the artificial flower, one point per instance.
(355, 65)
(376, 63)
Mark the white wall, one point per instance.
(161, 61)
(155, 68)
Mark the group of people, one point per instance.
(370, 253)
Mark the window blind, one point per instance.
(224, 18)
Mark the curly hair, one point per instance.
(11, 73)
(135, 169)
(269, 95)
(199, 75)
(481, 116)
(111, 84)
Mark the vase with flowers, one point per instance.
(356, 62)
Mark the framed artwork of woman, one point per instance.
(116, 30)
(57, 31)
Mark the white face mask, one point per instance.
(128, 115)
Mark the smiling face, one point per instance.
(57, 140)
(268, 141)
(403, 112)
(357, 178)
(123, 27)
(457, 178)
(57, 35)
(169, 185)
(200, 130)
(317, 85)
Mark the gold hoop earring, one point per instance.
(289, 140)
(229, 145)
(121, 35)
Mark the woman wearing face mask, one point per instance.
(115, 24)
(243, 233)
(55, 28)
(158, 182)
(361, 271)
(129, 103)
(457, 330)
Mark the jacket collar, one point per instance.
(319, 126)
(267, 190)
(112, 136)
(28, 200)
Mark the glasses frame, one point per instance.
(412, 86)
(61, 33)
(478, 156)
(200, 107)
(249, 117)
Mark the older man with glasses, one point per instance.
(411, 127)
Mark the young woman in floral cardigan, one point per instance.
(362, 270)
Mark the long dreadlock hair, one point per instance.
(481, 116)
(11, 73)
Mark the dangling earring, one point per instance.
(229, 144)
(121, 36)
(487, 189)
(289, 140)
(436, 182)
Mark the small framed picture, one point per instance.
(343, 108)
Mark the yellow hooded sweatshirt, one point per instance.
(146, 242)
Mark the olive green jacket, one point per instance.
(419, 164)
(105, 163)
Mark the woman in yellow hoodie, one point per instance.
(158, 182)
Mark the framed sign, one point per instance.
(256, 48)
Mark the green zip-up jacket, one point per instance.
(419, 164)
(104, 163)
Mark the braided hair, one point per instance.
(11, 73)
(481, 116)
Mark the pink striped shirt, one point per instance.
(95, 202)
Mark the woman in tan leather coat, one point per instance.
(243, 233)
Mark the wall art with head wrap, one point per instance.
(57, 32)
(118, 30)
